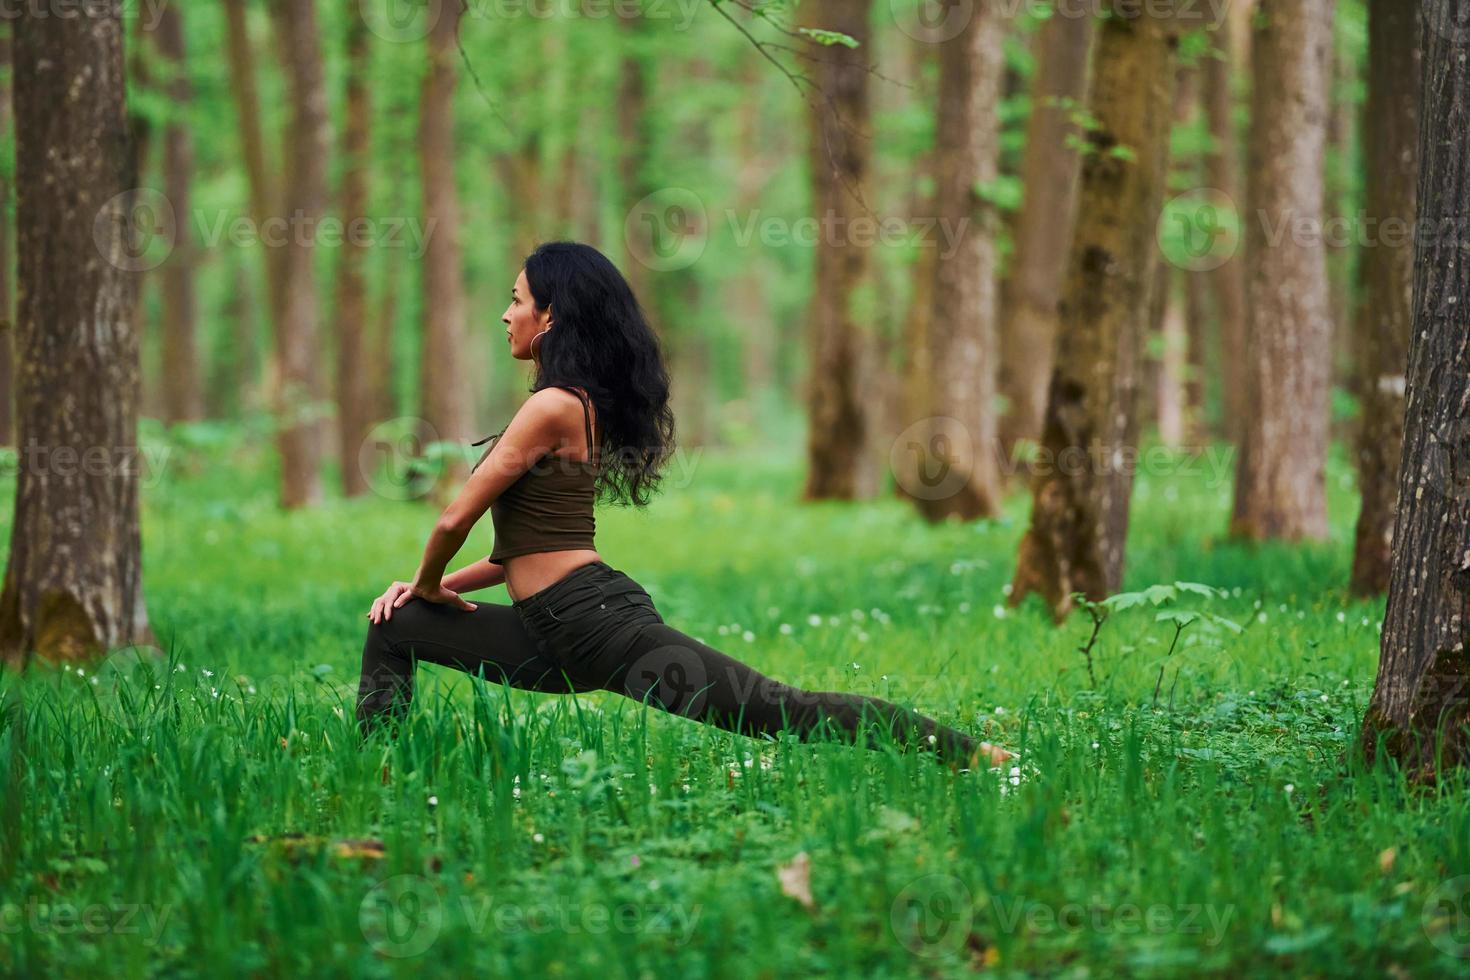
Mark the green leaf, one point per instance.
(828, 37)
(1198, 589)
(1160, 594)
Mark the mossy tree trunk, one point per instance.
(1084, 477)
(73, 581)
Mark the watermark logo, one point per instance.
(932, 21)
(932, 915)
(148, 227)
(395, 460)
(1446, 916)
(401, 916)
(931, 458)
(1199, 230)
(671, 677)
(401, 21)
(667, 230)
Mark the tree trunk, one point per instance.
(1081, 488)
(1196, 314)
(1227, 281)
(637, 142)
(1168, 343)
(263, 194)
(1391, 133)
(298, 329)
(442, 374)
(1280, 485)
(957, 441)
(354, 398)
(839, 155)
(1044, 229)
(1173, 363)
(73, 582)
(1420, 692)
(139, 81)
(7, 315)
(182, 398)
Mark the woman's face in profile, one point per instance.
(522, 321)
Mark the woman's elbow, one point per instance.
(452, 525)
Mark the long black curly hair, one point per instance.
(603, 343)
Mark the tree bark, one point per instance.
(839, 157)
(73, 581)
(1222, 171)
(1391, 133)
(182, 398)
(7, 296)
(1044, 229)
(354, 397)
(958, 444)
(298, 330)
(1280, 486)
(264, 194)
(1081, 490)
(442, 374)
(1420, 692)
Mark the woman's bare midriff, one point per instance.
(528, 574)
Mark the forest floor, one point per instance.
(213, 816)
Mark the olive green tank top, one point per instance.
(550, 507)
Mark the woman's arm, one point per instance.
(480, 575)
(538, 428)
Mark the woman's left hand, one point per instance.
(440, 594)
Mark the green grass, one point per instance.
(223, 822)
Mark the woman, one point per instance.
(598, 424)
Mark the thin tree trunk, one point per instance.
(298, 329)
(354, 407)
(1227, 281)
(1173, 361)
(959, 437)
(1081, 490)
(1167, 318)
(1044, 227)
(73, 581)
(7, 301)
(1419, 696)
(182, 398)
(909, 478)
(1391, 132)
(264, 194)
(633, 124)
(139, 78)
(1280, 488)
(1196, 315)
(839, 156)
(442, 375)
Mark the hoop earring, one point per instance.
(535, 346)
